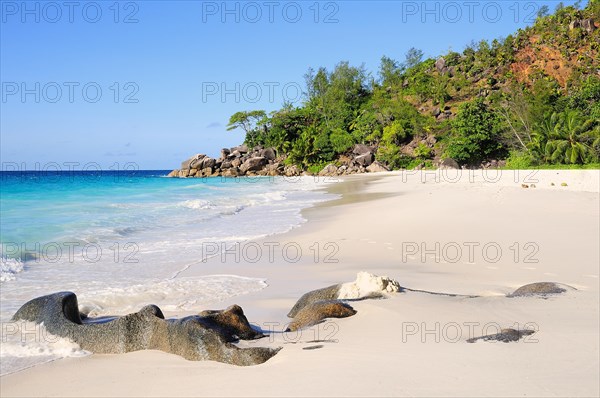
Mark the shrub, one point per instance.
(520, 160)
(475, 135)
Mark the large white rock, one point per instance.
(367, 284)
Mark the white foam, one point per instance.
(179, 294)
(367, 284)
(25, 344)
(9, 267)
(197, 204)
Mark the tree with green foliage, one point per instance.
(413, 57)
(247, 121)
(571, 138)
(390, 72)
(476, 132)
(543, 11)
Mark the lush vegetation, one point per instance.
(532, 99)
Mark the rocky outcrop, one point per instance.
(234, 162)
(440, 65)
(196, 338)
(318, 311)
(540, 289)
(258, 161)
(587, 24)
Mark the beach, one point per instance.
(476, 235)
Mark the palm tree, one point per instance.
(569, 138)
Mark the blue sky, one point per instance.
(107, 84)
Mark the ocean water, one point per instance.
(120, 240)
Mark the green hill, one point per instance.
(530, 99)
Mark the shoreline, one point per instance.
(370, 227)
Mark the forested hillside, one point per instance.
(530, 99)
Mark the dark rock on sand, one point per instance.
(540, 289)
(326, 293)
(231, 323)
(143, 330)
(505, 336)
(314, 313)
(313, 347)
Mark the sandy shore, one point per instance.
(469, 233)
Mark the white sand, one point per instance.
(414, 343)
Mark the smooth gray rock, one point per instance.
(231, 172)
(253, 164)
(292, 171)
(329, 170)
(147, 329)
(224, 153)
(268, 153)
(316, 312)
(540, 289)
(192, 163)
(440, 64)
(208, 163)
(361, 149)
(326, 293)
(588, 24)
(376, 167)
(364, 160)
(240, 149)
(449, 163)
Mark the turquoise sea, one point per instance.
(121, 239)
